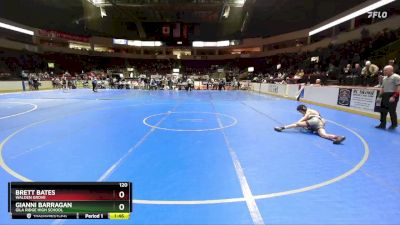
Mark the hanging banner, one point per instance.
(185, 31)
(61, 35)
(166, 30)
(177, 30)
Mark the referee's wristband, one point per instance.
(395, 95)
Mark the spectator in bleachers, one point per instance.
(395, 66)
(347, 72)
(356, 74)
(369, 74)
(94, 84)
(298, 75)
(221, 84)
(353, 51)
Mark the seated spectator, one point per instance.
(356, 74)
(347, 73)
(299, 74)
(333, 71)
(369, 74)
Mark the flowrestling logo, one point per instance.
(378, 14)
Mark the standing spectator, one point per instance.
(53, 82)
(221, 84)
(169, 83)
(190, 84)
(94, 84)
(64, 82)
(36, 82)
(30, 83)
(234, 83)
(153, 84)
(390, 97)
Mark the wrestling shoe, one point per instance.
(339, 140)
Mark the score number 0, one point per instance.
(121, 194)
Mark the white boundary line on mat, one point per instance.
(21, 113)
(191, 130)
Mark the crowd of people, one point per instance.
(118, 81)
(367, 75)
(346, 64)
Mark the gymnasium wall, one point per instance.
(13, 86)
(360, 100)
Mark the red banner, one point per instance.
(166, 30)
(61, 35)
(185, 31)
(177, 31)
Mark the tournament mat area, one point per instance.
(202, 157)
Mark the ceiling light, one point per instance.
(351, 16)
(17, 29)
(103, 12)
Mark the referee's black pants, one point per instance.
(388, 107)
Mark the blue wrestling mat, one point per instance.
(202, 157)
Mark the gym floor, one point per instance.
(202, 157)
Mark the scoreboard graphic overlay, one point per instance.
(77, 200)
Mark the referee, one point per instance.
(390, 96)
